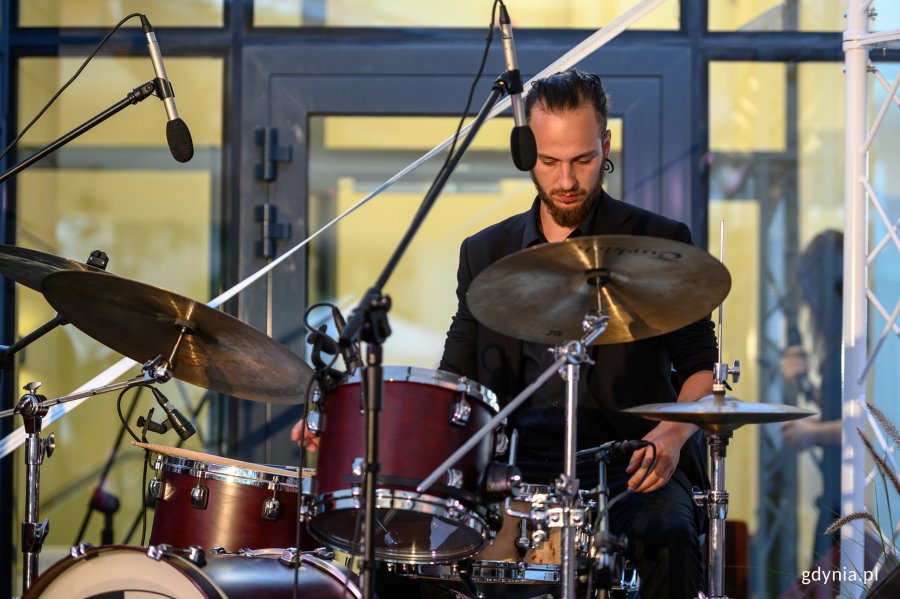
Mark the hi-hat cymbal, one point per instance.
(139, 321)
(650, 286)
(29, 267)
(719, 412)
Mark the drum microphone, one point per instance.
(174, 418)
(177, 134)
(349, 353)
(611, 449)
(521, 140)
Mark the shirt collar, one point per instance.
(533, 235)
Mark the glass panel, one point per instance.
(344, 262)
(106, 13)
(777, 180)
(777, 15)
(565, 14)
(119, 190)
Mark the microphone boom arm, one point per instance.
(136, 95)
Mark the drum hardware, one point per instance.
(272, 509)
(315, 418)
(460, 411)
(200, 497)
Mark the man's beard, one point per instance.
(570, 216)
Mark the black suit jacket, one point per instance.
(626, 374)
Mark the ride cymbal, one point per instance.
(648, 285)
(29, 267)
(219, 352)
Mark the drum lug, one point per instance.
(501, 442)
(324, 553)
(272, 509)
(289, 557)
(196, 555)
(315, 420)
(199, 497)
(156, 487)
(157, 552)
(359, 467)
(453, 478)
(80, 550)
(460, 412)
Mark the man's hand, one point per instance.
(310, 441)
(668, 437)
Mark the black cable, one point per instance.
(143, 438)
(67, 84)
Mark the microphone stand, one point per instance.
(369, 321)
(136, 95)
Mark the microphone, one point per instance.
(611, 449)
(177, 134)
(521, 140)
(182, 425)
(349, 352)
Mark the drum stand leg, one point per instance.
(716, 502)
(36, 447)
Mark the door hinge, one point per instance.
(271, 230)
(272, 154)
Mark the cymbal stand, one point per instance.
(568, 517)
(36, 447)
(33, 407)
(716, 499)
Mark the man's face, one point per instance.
(572, 147)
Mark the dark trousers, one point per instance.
(663, 536)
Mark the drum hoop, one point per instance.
(234, 474)
(440, 507)
(435, 378)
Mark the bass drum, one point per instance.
(123, 572)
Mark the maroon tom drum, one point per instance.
(426, 415)
(214, 502)
(161, 573)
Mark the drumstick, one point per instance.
(213, 459)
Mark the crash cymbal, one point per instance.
(650, 286)
(719, 412)
(221, 353)
(29, 267)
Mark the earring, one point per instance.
(608, 165)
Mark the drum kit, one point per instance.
(445, 509)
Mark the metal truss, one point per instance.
(860, 352)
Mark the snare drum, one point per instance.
(426, 415)
(120, 571)
(502, 561)
(212, 502)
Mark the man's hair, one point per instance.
(567, 90)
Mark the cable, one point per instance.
(67, 83)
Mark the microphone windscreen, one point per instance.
(524, 148)
(180, 143)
